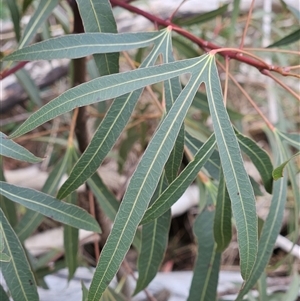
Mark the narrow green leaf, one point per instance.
(260, 159)
(49, 206)
(291, 138)
(42, 12)
(28, 224)
(11, 149)
(15, 16)
(278, 171)
(222, 221)
(234, 16)
(292, 173)
(291, 38)
(201, 18)
(142, 186)
(97, 16)
(185, 47)
(16, 272)
(154, 242)
(71, 234)
(80, 45)
(71, 241)
(44, 260)
(176, 189)
(132, 136)
(3, 294)
(268, 235)
(32, 219)
(62, 18)
(213, 163)
(85, 292)
(293, 290)
(262, 287)
(106, 134)
(7, 206)
(104, 88)
(3, 256)
(29, 86)
(237, 181)
(206, 270)
(172, 89)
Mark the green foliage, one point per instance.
(215, 155)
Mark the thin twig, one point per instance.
(149, 90)
(72, 127)
(247, 24)
(40, 134)
(7, 72)
(273, 50)
(129, 270)
(278, 81)
(176, 10)
(239, 52)
(268, 123)
(226, 80)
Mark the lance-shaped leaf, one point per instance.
(3, 294)
(15, 16)
(237, 181)
(97, 16)
(222, 221)
(32, 219)
(41, 14)
(278, 171)
(29, 86)
(291, 138)
(11, 149)
(198, 19)
(153, 244)
(106, 134)
(70, 233)
(268, 235)
(16, 271)
(7, 206)
(260, 159)
(213, 163)
(291, 38)
(80, 45)
(104, 88)
(172, 89)
(49, 206)
(3, 256)
(176, 189)
(71, 241)
(142, 186)
(206, 270)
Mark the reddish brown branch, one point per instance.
(7, 72)
(203, 44)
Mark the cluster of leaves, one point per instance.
(155, 185)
